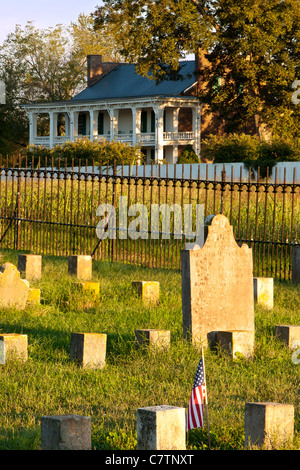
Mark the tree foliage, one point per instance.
(251, 45)
(45, 65)
(253, 152)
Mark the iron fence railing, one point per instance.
(53, 210)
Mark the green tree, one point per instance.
(251, 49)
(45, 65)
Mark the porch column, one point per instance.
(73, 124)
(136, 124)
(197, 128)
(67, 126)
(53, 128)
(93, 124)
(175, 119)
(114, 115)
(159, 133)
(32, 127)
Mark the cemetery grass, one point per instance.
(50, 384)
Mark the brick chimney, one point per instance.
(96, 68)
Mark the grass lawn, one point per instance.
(50, 384)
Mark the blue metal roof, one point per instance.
(124, 82)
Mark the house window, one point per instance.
(82, 124)
(144, 122)
(100, 124)
(152, 121)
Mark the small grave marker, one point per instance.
(80, 266)
(13, 346)
(161, 428)
(69, 432)
(153, 339)
(263, 291)
(148, 291)
(268, 424)
(30, 266)
(290, 334)
(89, 349)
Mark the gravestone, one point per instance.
(217, 284)
(161, 428)
(263, 291)
(13, 346)
(148, 291)
(296, 264)
(268, 424)
(80, 266)
(66, 432)
(30, 266)
(88, 349)
(153, 339)
(289, 334)
(13, 290)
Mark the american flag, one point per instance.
(194, 418)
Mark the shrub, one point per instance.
(188, 155)
(249, 150)
(85, 151)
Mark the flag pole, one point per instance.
(206, 402)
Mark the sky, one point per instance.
(43, 13)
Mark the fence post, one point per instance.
(223, 175)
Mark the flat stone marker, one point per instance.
(153, 339)
(80, 266)
(161, 428)
(217, 285)
(296, 264)
(89, 287)
(89, 349)
(235, 343)
(30, 266)
(290, 334)
(147, 290)
(34, 296)
(268, 424)
(13, 346)
(263, 291)
(69, 432)
(13, 290)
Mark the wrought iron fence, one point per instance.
(52, 209)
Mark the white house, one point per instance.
(118, 104)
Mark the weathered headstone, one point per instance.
(148, 291)
(153, 339)
(88, 349)
(69, 432)
(13, 290)
(217, 284)
(161, 428)
(268, 424)
(80, 266)
(289, 334)
(263, 291)
(13, 346)
(30, 266)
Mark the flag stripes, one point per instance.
(194, 418)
